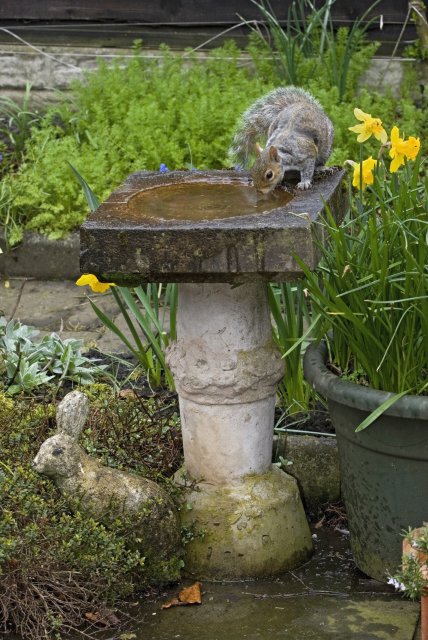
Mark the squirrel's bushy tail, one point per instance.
(256, 121)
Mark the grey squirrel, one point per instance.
(299, 138)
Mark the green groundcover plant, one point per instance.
(26, 365)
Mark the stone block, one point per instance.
(314, 464)
(38, 257)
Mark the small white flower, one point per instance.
(395, 583)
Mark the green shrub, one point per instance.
(128, 117)
(142, 434)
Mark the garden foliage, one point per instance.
(371, 287)
(177, 110)
(26, 365)
(131, 116)
(56, 564)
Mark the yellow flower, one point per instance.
(401, 149)
(93, 282)
(367, 167)
(369, 126)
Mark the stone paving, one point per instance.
(325, 599)
(62, 307)
(334, 600)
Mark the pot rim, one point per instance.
(355, 395)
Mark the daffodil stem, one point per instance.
(360, 200)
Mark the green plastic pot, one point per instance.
(384, 468)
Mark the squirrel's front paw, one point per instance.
(305, 184)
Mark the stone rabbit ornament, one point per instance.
(104, 493)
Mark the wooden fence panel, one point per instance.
(178, 23)
(183, 12)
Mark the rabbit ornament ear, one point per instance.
(72, 414)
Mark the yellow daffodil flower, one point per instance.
(401, 149)
(369, 127)
(365, 169)
(93, 282)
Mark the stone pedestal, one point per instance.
(247, 516)
(167, 227)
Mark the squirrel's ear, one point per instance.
(72, 414)
(273, 154)
(259, 149)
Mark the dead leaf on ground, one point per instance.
(188, 595)
(105, 619)
(128, 393)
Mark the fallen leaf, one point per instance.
(320, 523)
(175, 602)
(105, 619)
(128, 393)
(127, 636)
(192, 594)
(188, 595)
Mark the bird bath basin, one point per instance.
(201, 201)
(209, 232)
(163, 227)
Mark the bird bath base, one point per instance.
(251, 528)
(246, 515)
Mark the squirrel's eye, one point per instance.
(57, 452)
(269, 175)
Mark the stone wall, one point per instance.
(52, 68)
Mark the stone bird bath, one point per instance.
(208, 231)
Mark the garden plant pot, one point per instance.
(384, 468)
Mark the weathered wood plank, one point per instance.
(180, 11)
(178, 38)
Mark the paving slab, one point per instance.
(10, 293)
(62, 307)
(236, 615)
(55, 305)
(327, 598)
(108, 342)
(52, 305)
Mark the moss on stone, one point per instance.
(253, 528)
(315, 465)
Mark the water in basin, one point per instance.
(202, 201)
